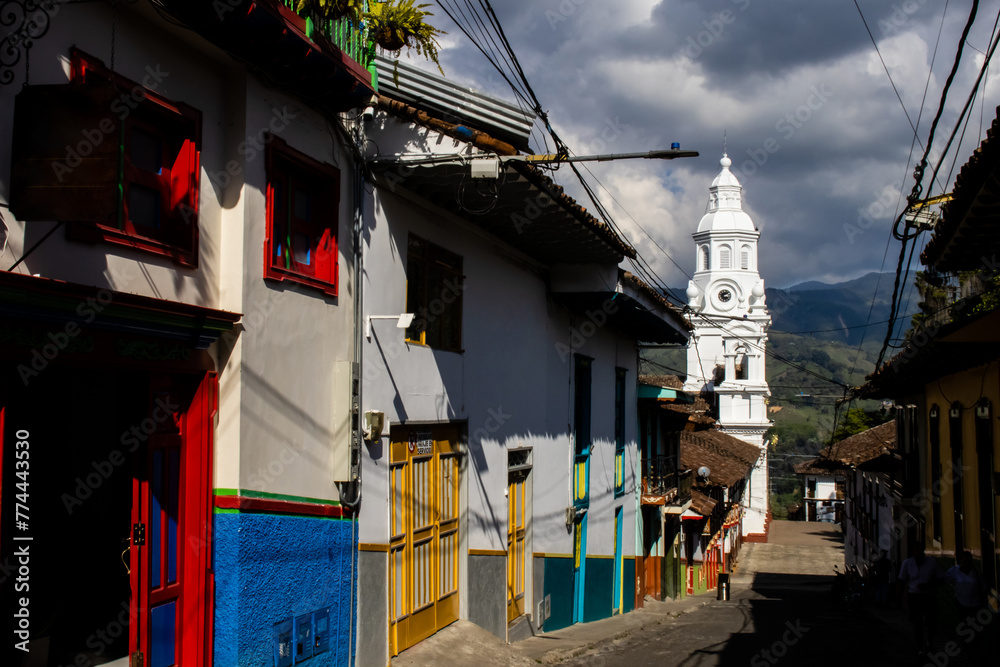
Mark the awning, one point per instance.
(25, 299)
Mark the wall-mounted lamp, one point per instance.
(403, 321)
(374, 424)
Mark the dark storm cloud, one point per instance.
(815, 132)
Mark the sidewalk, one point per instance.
(463, 643)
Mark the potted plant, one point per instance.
(394, 24)
(330, 9)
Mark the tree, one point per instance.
(855, 421)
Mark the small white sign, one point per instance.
(422, 442)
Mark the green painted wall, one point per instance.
(559, 584)
(699, 586)
(599, 589)
(628, 585)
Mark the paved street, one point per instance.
(781, 612)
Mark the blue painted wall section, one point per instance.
(271, 568)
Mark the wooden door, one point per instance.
(169, 563)
(515, 544)
(424, 527)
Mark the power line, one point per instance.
(918, 174)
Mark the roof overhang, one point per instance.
(522, 207)
(631, 310)
(33, 299)
(957, 346)
(969, 229)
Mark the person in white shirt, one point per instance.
(921, 575)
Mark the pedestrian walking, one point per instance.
(882, 578)
(921, 575)
(970, 596)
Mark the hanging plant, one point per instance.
(331, 9)
(394, 24)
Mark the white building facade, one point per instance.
(730, 320)
(509, 401)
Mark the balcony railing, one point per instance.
(348, 36)
(660, 475)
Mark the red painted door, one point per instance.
(170, 571)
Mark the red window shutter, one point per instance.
(184, 183)
(65, 153)
(326, 257)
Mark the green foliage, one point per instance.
(855, 421)
(990, 298)
(394, 24)
(782, 504)
(331, 9)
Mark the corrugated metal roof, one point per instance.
(454, 103)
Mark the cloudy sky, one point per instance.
(816, 134)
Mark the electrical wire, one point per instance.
(912, 200)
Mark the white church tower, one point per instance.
(726, 350)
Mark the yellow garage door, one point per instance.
(423, 549)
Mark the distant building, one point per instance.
(823, 494)
(730, 319)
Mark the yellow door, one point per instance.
(423, 548)
(515, 545)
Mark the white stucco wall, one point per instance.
(277, 406)
(512, 383)
(185, 72)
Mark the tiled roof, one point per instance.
(668, 381)
(728, 459)
(818, 466)
(697, 412)
(968, 228)
(701, 503)
(641, 285)
(862, 447)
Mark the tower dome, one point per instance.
(725, 203)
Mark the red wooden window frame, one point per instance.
(175, 183)
(289, 175)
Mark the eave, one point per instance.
(523, 209)
(272, 41)
(633, 309)
(968, 342)
(968, 233)
(31, 298)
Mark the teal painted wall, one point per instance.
(600, 587)
(628, 584)
(559, 584)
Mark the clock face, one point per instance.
(725, 295)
